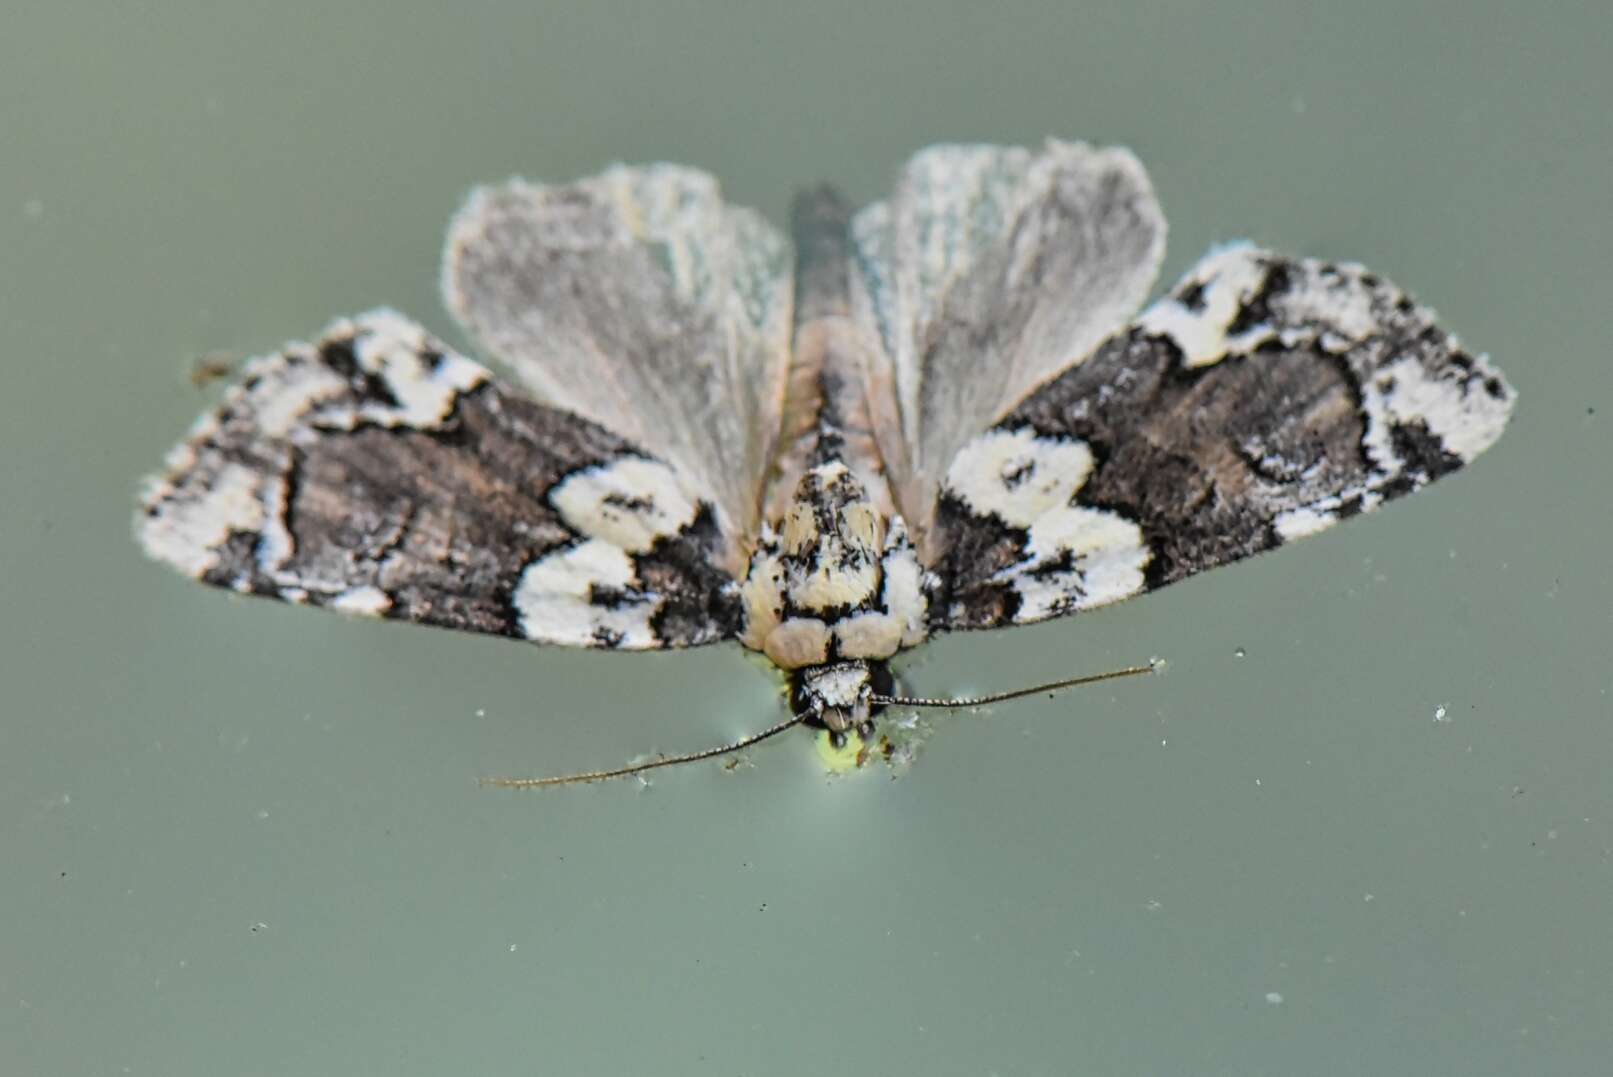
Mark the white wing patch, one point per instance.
(190, 533)
(1302, 522)
(1466, 421)
(1228, 304)
(1208, 315)
(585, 595)
(1018, 476)
(591, 592)
(1075, 556)
(631, 503)
(362, 601)
(422, 396)
(1080, 558)
(1225, 280)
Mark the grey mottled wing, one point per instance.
(989, 271)
(1264, 399)
(638, 299)
(375, 472)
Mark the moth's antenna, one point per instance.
(639, 768)
(1051, 686)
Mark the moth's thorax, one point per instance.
(840, 696)
(834, 579)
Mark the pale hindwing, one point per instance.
(989, 271)
(638, 299)
(375, 472)
(1264, 399)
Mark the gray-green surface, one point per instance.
(241, 838)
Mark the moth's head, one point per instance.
(839, 696)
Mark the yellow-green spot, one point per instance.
(840, 760)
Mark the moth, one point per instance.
(942, 411)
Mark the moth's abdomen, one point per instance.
(836, 580)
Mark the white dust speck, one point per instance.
(263, 813)
(1153, 906)
(1275, 998)
(1368, 897)
(1442, 714)
(513, 947)
(481, 712)
(1239, 652)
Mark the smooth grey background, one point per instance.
(243, 838)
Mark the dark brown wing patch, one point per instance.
(375, 472)
(1264, 400)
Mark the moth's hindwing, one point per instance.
(988, 271)
(1263, 400)
(641, 300)
(375, 472)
